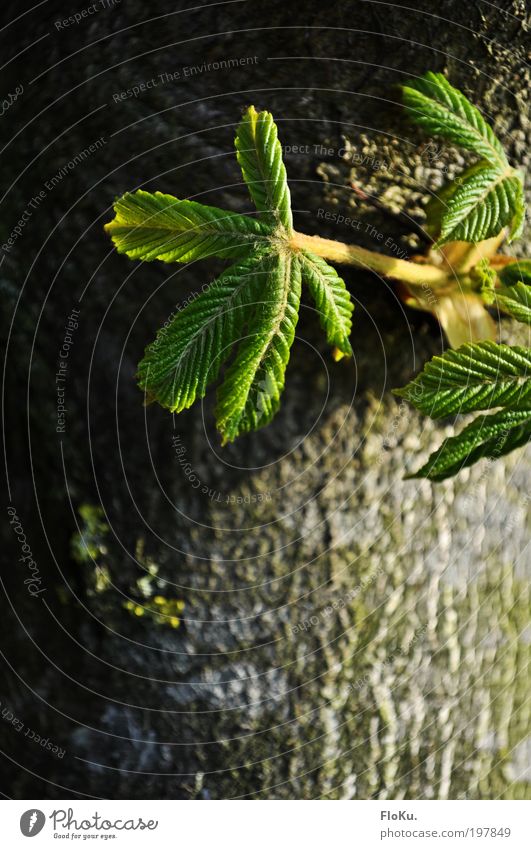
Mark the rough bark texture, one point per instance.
(352, 635)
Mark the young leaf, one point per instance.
(482, 205)
(158, 226)
(443, 110)
(438, 204)
(187, 354)
(515, 300)
(249, 397)
(515, 272)
(259, 153)
(487, 278)
(474, 377)
(487, 436)
(488, 196)
(332, 300)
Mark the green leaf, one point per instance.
(187, 354)
(443, 110)
(484, 202)
(487, 436)
(519, 209)
(250, 395)
(515, 300)
(259, 153)
(438, 204)
(515, 272)
(158, 226)
(473, 377)
(487, 278)
(488, 196)
(332, 300)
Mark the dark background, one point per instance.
(416, 686)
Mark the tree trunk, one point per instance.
(346, 633)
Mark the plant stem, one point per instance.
(398, 269)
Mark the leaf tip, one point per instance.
(401, 392)
(250, 113)
(225, 439)
(338, 354)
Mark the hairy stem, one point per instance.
(398, 269)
